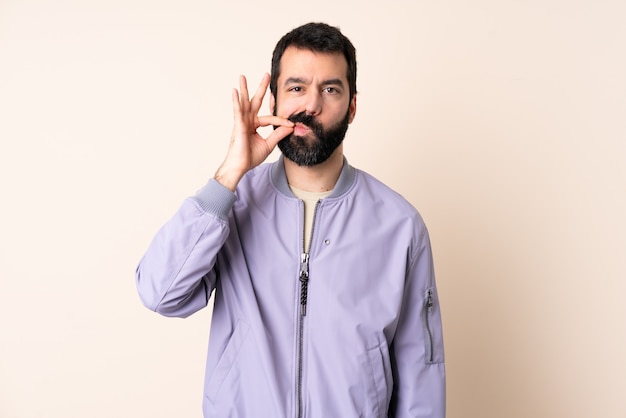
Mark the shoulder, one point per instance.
(369, 187)
(390, 209)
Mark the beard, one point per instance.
(307, 152)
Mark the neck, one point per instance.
(317, 178)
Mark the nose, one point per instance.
(313, 105)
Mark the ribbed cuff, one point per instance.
(215, 198)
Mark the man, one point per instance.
(325, 297)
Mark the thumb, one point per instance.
(277, 135)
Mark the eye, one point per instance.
(295, 89)
(331, 90)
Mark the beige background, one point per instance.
(503, 122)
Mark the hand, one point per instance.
(247, 148)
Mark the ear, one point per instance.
(352, 109)
(272, 104)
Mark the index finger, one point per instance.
(275, 120)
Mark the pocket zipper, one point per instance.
(428, 309)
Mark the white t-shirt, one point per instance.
(310, 199)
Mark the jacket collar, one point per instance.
(344, 182)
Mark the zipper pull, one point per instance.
(429, 300)
(304, 282)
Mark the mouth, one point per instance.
(301, 129)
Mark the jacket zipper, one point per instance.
(429, 308)
(304, 289)
(304, 282)
(304, 279)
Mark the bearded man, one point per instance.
(325, 296)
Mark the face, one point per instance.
(312, 91)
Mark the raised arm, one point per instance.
(177, 274)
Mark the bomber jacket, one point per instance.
(350, 329)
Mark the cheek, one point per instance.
(284, 109)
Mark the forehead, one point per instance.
(306, 64)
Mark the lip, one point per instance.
(301, 129)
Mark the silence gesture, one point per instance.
(247, 147)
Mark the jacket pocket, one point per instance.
(433, 335)
(227, 360)
(379, 385)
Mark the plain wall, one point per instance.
(503, 122)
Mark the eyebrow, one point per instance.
(300, 80)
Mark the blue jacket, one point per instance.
(351, 329)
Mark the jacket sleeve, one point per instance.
(177, 274)
(417, 349)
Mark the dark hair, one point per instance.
(316, 37)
